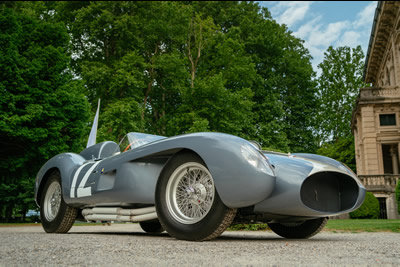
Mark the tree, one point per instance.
(338, 84)
(340, 80)
(298, 96)
(118, 118)
(342, 150)
(274, 64)
(196, 66)
(42, 109)
(124, 51)
(161, 57)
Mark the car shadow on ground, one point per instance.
(229, 237)
(238, 238)
(164, 234)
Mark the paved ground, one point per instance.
(127, 244)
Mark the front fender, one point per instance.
(65, 163)
(239, 184)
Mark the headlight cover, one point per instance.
(256, 159)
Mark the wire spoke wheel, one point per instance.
(190, 193)
(187, 202)
(55, 214)
(52, 201)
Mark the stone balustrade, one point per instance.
(377, 182)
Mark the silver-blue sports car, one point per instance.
(194, 186)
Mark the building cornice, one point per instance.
(383, 26)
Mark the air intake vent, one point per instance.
(329, 192)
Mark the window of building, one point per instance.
(390, 158)
(387, 119)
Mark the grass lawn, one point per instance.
(363, 226)
(19, 224)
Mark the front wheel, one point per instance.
(56, 215)
(187, 203)
(305, 229)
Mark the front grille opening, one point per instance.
(329, 192)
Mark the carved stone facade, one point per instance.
(376, 117)
(383, 57)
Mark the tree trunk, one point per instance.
(8, 214)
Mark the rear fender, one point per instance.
(64, 163)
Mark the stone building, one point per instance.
(376, 117)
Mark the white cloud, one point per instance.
(304, 31)
(319, 37)
(309, 23)
(365, 16)
(349, 38)
(328, 35)
(290, 12)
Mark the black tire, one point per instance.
(299, 230)
(207, 226)
(153, 227)
(55, 220)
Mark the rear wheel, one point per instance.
(56, 215)
(153, 227)
(187, 203)
(305, 229)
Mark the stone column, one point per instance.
(396, 61)
(370, 150)
(391, 207)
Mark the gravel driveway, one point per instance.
(127, 244)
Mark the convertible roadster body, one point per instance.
(194, 186)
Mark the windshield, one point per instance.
(133, 140)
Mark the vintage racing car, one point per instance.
(194, 186)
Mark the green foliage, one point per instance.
(42, 110)
(196, 66)
(342, 150)
(249, 227)
(119, 118)
(368, 210)
(339, 83)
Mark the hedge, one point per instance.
(368, 210)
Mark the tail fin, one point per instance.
(93, 131)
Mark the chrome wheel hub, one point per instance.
(190, 193)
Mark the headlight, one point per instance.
(254, 158)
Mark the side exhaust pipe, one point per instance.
(119, 214)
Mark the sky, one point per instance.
(325, 23)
